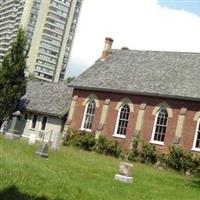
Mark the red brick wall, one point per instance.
(146, 132)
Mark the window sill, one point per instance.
(195, 149)
(157, 143)
(119, 136)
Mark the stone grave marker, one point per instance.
(32, 138)
(125, 173)
(43, 148)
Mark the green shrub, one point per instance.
(148, 154)
(188, 161)
(180, 160)
(163, 158)
(81, 139)
(70, 135)
(113, 149)
(133, 154)
(85, 141)
(108, 147)
(175, 158)
(196, 170)
(101, 144)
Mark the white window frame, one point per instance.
(30, 127)
(84, 116)
(41, 123)
(117, 123)
(154, 128)
(195, 137)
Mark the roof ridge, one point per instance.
(156, 51)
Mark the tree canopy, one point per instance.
(12, 76)
(69, 79)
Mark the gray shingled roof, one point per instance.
(172, 74)
(47, 98)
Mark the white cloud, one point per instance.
(137, 24)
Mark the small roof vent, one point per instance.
(125, 48)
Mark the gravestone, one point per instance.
(13, 132)
(56, 140)
(43, 150)
(125, 173)
(32, 138)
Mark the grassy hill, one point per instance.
(74, 174)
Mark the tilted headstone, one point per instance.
(125, 173)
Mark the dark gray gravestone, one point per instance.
(13, 131)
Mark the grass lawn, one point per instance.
(73, 174)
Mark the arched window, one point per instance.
(196, 143)
(160, 126)
(89, 115)
(122, 120)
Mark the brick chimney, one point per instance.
(107, 48)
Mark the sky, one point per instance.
(192, 6)
(168, 25)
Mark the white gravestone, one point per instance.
(32, 138)
(125, 173)
(56, 140)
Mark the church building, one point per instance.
(153, 95)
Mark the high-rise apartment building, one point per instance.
(50, 27)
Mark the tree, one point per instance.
(69, 79)
(12, 76)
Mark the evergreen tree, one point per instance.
(69, 79)
(12, 76)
